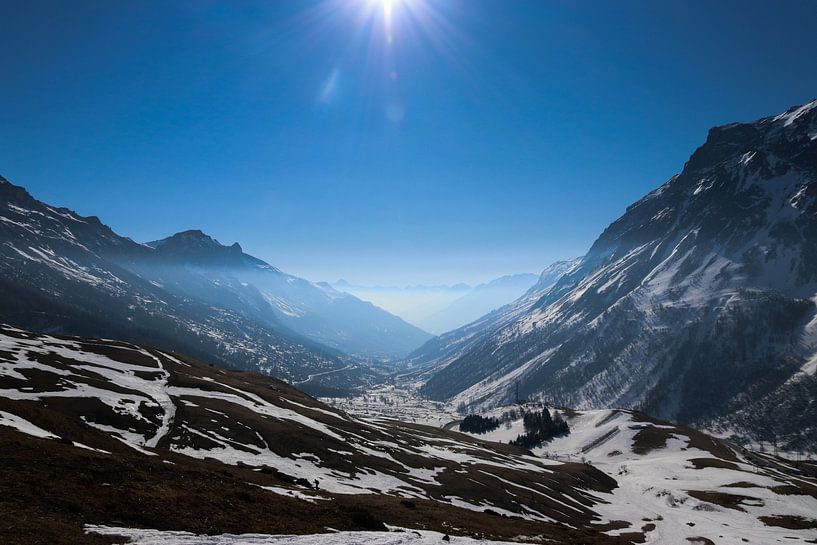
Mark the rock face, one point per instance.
(698, 304)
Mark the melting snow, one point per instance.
(399, 537)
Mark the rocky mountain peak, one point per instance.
(197, 247)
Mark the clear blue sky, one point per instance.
(490, 136)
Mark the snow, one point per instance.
(168, 408)
(397, 537)
(655, 486)
(256, 404)
(309, 498)
(137, 390)
(793, 115)
(23, 425)
(363, 482)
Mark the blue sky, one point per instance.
(489, 137)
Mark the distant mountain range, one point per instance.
(698, 304)
(441, 308)
(60, 272)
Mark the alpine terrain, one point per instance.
(112, 442)
(60, 272)
(696, 305)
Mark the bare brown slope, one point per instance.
(230, 434)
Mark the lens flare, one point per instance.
(383, 40)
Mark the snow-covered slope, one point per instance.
(397, 537)
(679, 485)
(698, 304)
(446, 348)
(245, 451)
(97, 434)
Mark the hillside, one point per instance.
(114, 434)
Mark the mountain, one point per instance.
(187, 292)
(61, 272)
(480, 301)
(696, 305)
(111, 442)
(193, 264)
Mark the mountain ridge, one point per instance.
(699, 299)
(62, 272)
(442, 308)
(315, 310)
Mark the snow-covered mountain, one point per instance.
(193, 264)
(698, 304)
(60, 272)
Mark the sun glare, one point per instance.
(388, 34)
(388, 7)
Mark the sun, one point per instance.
(388, 8)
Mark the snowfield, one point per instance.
(654, 487)
(659, 478)
(397, 537)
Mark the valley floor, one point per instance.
(397, 402)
